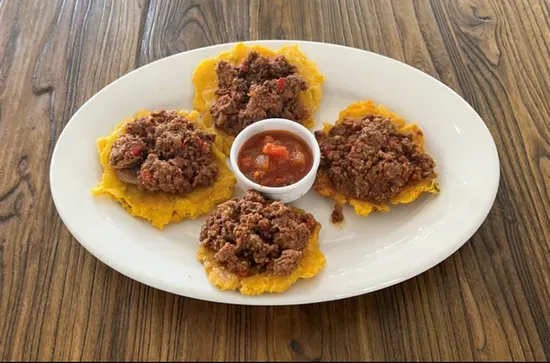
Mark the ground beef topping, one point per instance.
(366, 158)
(252, 234)
(164, 152)
(337, 215)
(261, 87)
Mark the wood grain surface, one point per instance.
(489, 301)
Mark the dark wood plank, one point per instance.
(60, 54)
(488, 301)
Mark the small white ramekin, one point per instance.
(284, 194)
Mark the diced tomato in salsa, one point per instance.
(275, 150)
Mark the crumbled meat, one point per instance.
(144, 128)
(156, 175)
(228, 256)
(259, 88)
(288, 261)
(368, 159)
(164, 152)
(271, 100)
(337, 216)
(227, 73)
(252, 233)
(127, 152)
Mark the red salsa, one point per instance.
(275, 158)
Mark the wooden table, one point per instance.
(490, 300)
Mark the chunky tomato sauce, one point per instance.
(275, 158)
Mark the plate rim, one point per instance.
(249, 300)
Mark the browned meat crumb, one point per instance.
(337, 216)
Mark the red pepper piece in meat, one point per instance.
(281, 83)
(136, 150)
(147, 176)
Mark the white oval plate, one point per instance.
(366, 255)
